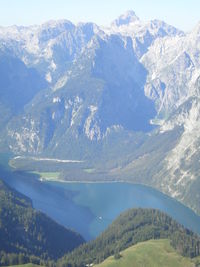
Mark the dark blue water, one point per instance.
(89, 208)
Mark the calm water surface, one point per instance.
(89, 208)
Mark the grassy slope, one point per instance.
(132, 227)
(152, 253)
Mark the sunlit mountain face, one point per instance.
(126, 95)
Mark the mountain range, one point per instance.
(127, 94)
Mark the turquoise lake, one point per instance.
(89, 208)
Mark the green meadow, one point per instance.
(153, 253)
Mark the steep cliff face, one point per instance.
(18, 84)
(181, 166)
(103, 91)
(173, 67)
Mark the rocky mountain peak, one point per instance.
(196, 31)
(125, 19)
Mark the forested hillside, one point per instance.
(132, 227)
(27, 235)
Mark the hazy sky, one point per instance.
(183, 14)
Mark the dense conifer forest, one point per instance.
(27, 235)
